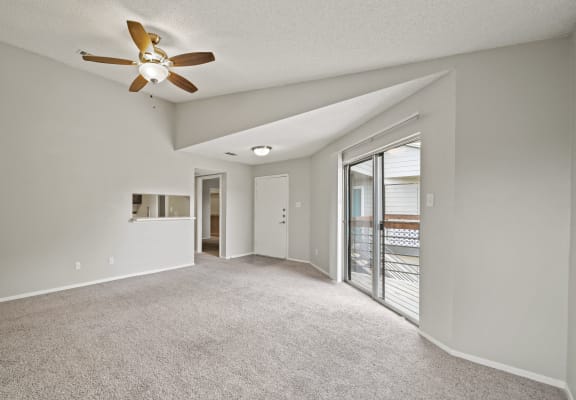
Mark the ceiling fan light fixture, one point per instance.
(261, 151)
(153, 72)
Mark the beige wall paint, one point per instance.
(80, 146)
(299, 217)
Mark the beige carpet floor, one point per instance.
(250, 328)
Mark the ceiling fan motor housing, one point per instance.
(157, 55)
(155, 38)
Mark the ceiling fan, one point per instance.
(153, 63)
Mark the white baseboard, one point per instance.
(320, 269)
(569, 392)
(310, 263)
(298, 260)
(239, 255)
(496, 365)
(89, 283)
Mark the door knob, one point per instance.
(282, 222)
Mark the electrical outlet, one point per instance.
(77, 265)
(111, 260)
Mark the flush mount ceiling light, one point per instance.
(261, 151)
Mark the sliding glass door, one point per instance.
(401, 229)
(383, 227)
(361, 224)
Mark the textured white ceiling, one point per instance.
(304, 134)
(262, 43)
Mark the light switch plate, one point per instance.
(429, 199)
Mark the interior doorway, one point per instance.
(210, 215)
(211, 220)
(383, 227)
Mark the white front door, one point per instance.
(271, 216)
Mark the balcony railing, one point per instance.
(400, 263)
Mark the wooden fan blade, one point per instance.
(138, 83)
(185, 60)
(140, 37)
(182, 82)
(107, 60)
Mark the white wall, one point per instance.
(299, 217)
(502, 130)
(512, 180)
(436, 103)
(80, 145)
(501, 291)
(511, 169)
(491, 286)
(571, 362)
(238, 197)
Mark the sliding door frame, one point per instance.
(377, 156)
(347, 196)
(377, 218)
(376, 207)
